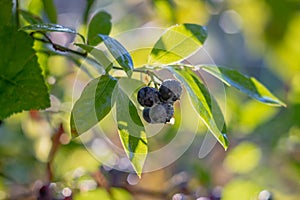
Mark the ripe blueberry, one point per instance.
(146, 115)
(170, 90)
(161, 113)
(148, 96)
(170, 111)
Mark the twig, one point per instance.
(57, 47)
(60, 47)
(148, 72)
(102, 182)
(54, 148)
(144, 71)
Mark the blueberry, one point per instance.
(170, 90)
(170, 111)
(165, 93)
(148, 96)
(146, 116)
(161, 113)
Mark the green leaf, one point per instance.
(131, 131)
(36, 7)
(89, 4)
(201, 101)
(50, 10)
(93, 105)
(22, 85)
(100, 24)
(30, 18)
(247, 85)
(119, 53)
(48, 27)
(6, 7)
(98, 54)
(177, 43)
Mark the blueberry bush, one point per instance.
(26, 41)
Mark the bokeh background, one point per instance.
(259, 38)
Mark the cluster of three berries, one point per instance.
(158, 104)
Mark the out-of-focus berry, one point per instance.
(265, 195)
(216, 193)
(180, 196)
(45, 193)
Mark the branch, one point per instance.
(54, 148)
(58, 47)
(102, 182)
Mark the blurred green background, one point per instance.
(257, 37)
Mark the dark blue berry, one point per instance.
(146, 116)
(170, 91)
(148, 96)
(161, 113)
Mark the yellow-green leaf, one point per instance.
(201, 101)
(119, 52)
(247, 85)
(131, 131)
(177, 43)
(50, 10)
(93, 105)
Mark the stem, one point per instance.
(54, 148)
(59, 47)
(185, 65)
(102, 182)
(144, 71)
(117, 68)
(148, 72)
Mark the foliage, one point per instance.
(176, 44)
(23, 86)
(21, 83)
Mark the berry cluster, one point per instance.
(159, 103)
